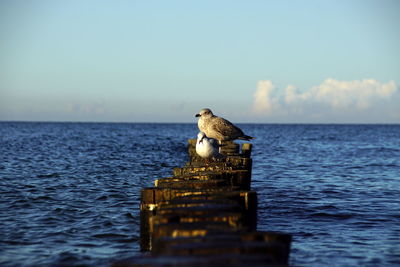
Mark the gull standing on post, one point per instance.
(219, 128)
(206, 147)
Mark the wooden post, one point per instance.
(207, 210)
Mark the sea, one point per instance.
(70, 192)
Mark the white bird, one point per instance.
(219, 128)
(207, 147)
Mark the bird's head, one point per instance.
(205, 113)
(200, 137)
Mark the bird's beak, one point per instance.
(201, 140)
(197, 115)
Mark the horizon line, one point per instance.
(157, 122)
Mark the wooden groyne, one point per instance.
(206, 214)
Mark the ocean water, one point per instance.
(69, 192)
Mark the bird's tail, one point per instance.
(220, 156)
(246, 137)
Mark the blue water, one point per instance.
(69, 192)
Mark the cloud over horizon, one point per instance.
(331, 97)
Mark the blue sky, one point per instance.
(162, 61)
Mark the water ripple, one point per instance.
(69, 192)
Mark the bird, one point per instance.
(219, 128)
(207, 148)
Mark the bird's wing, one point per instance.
(215, 143)
(225, 127)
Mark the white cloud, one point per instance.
(263, 97)
(351, 94)
(330, 97)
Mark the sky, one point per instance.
(311, 61)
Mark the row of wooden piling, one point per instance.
(206, 214)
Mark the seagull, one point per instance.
(219, 128)
(207, 147)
